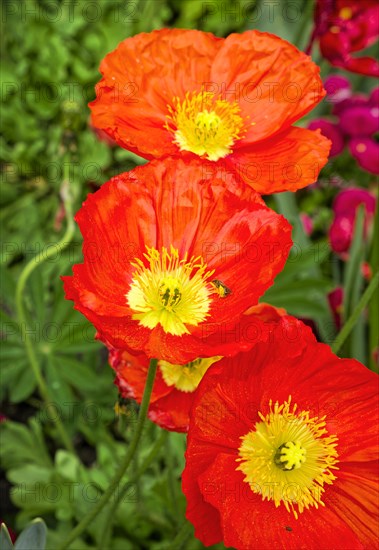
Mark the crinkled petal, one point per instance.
(289, 161)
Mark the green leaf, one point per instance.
(22, 444)
(353, 286)
(303, 262)
(32, 537)
(353, 266)
(59, 390)
(5, 539)
(67, 465)
(29, 474)
(24, 385)
(80, 375)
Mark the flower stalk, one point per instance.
(80, 528)
(349, 325)
(35, 262)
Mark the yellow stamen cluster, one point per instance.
(205, 125)
(186, 377)
(288, 457)
(172, 292)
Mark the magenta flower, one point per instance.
(335, 299)
(374, 97)
(360, 120)
(345, 209)
(338, 88)
(356, 124)
(344, 27)
(356, 100)
(307, 223)
(365, 150)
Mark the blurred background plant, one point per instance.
(63, 428)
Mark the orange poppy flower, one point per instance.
(173, 256)
(175, 385)
(282, 449)
(233, 100)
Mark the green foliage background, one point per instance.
(51, 53)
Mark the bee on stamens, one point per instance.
(222, 290)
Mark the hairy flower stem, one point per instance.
(80, 528)
(35, 262)
(104, 541)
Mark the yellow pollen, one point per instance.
(346, 13)
(288, 457)
(170, 291)
(361, 147)
(205, 125)
(186, 377)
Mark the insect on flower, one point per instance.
(222, 290)
(157, 296)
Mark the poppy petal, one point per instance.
(287, 162)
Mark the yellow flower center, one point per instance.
(186, 377)
(290, 455)
(288, 458)
(172, 292)
(204, 125)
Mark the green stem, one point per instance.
(35, 262)
(171, 481)
(304, 29)
(152, 455)
(104, 542)
(287, 206)
(181, 537)
(80, 528)
(347, 328)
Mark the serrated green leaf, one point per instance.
(22, 444)
(24, 385)
(29, 474)
(79, 374)
(67, 465)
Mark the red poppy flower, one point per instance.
(230, 100)
(173, 256)
(175, 385)
(282, 449)
(344, 27)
